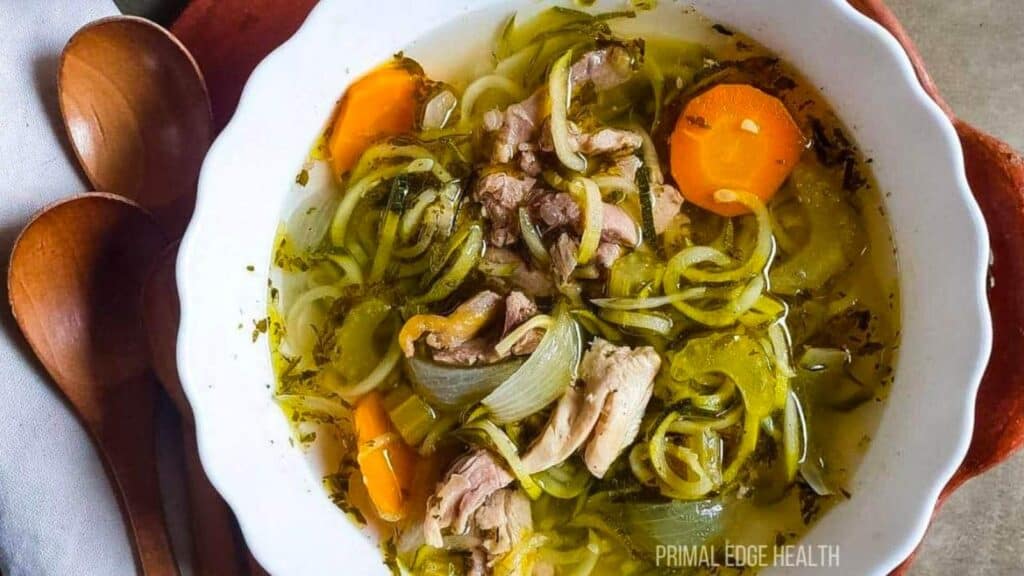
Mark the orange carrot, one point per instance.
(382, 103)
(385, 461)
(737, 137)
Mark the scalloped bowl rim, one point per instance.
(292, 528)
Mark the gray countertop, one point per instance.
(975, 52)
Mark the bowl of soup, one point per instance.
(626, 288)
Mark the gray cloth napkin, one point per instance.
(58, 512)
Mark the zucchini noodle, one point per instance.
(532, 238)
(468, 255)
(352, 270)
(372, 380)
(684, 264)
(389, 229)
(656, 323)
(355, 193)
(414, 215)
(727, 315)
(387, 151)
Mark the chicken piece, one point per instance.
(560, 210)
(617, 226)
(469, 483)
(627, 377)
(567, 429)
(563, 257)
(469, 353)
(607, 254)
(618, 382)
(604, 141)
(667, 202)
(503, 521)
(501, 194)
(605, 68)
(477, 563)
(518, 309)
(533, 283)
(609, 141)
(517, 125)
(528, 161)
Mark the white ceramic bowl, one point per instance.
(291, 526)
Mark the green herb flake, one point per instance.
(260, 327)
(303, 178)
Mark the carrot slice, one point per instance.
(737, 137)
(382, 103)
(385, 461)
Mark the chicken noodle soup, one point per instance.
(611, 294)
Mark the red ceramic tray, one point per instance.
(229, 37)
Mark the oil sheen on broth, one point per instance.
(548, 307)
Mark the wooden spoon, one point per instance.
(74, 281)
(138, 115)
(217, 550)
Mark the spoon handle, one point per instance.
(218, 549)
(132, 462)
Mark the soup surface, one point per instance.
(595, 302)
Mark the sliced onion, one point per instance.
(588, 195)
(532, 238)
(456, 387)
(560, 97)
(794, 432)
(545, 375)
(540, 321)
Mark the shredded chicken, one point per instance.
(480, 348)
(503, 521)
(618, 382)
(469, 353)
(608, 253)
(518, 309)
(667, 202)
(517, 125)
(560, 210)
(627, 376)
(603, 141)
(501, 194)
(532, 282)
(605, 68)
(469, 483)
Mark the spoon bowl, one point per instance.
(74, 281)
(137, 112)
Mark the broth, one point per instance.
(796, 353)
